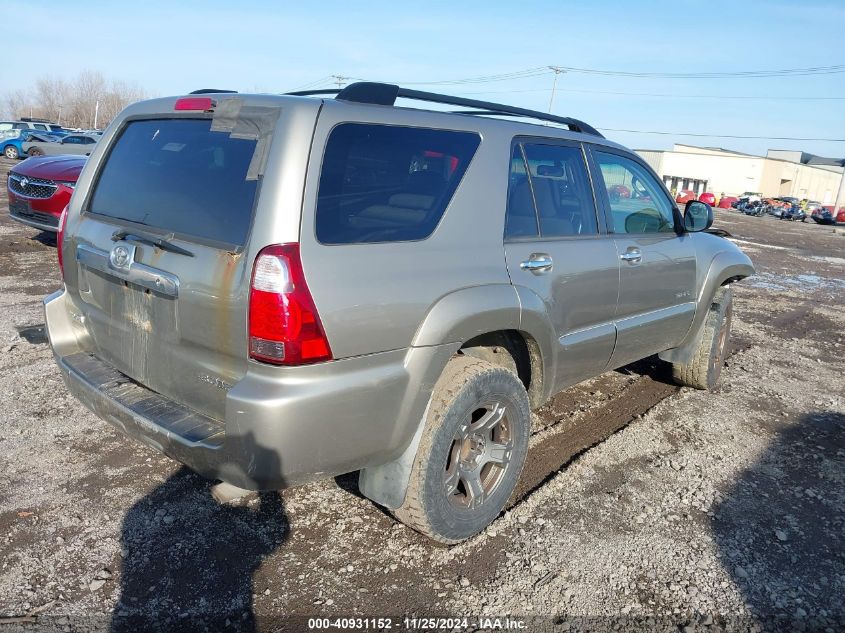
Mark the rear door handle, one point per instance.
(632, 255)
(537, 263)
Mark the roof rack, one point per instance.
(386, 94)
(208, 91)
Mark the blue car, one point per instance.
(12, 146)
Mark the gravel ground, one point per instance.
(642, 504)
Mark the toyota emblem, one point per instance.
(121, 256)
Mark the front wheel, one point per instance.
(10, 151)
(705, 367)
(34, 151)
(471, 452)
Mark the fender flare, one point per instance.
(455, 318)
(726, 267)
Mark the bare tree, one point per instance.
(88, 100)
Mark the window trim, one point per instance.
(319, 173)
(605, 199)
(523, 139)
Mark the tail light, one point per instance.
(60, 236)
(284, 327)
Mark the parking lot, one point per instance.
(639, 498)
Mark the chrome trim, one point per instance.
(585, 335)
(34, 223)
(40, 182)
(537, 263)
(139, 274)
(644, 318)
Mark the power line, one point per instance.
(743, 74)
(738, 136)
(659, 94)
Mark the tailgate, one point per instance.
(160, 273)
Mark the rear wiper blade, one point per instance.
(157, 242)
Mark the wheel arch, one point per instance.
(725, 268)
(475, 317)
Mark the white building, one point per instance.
(722, 171)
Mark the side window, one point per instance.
(73, 140)
(382, 183)
(20, 126)
(561, 190)
(86, 140)
(637, 203)
(551, 193)
(521, 218)
(40, 126)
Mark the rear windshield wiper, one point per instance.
(157, 242)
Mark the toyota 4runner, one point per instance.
(276, 289)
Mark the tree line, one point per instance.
(89, 100)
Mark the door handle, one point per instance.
(632, 256)
(537, 263)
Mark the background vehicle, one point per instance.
(13, 146)
(685, 196)
(840, 217)
(708, 198)
(11, 128)
(81, 144)
(793, 213)
(236, 289)
(727, 202)
(823, 216)
(40, 188)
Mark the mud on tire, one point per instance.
(471, 453)
(705, 367)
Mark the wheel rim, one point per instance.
(10, 152)
(479, 456)
(722, 343)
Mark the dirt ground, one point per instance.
(642, 504)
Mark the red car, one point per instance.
(727, 201)
(40, 188)
(709, 198)
(840, 217)
(685, 196)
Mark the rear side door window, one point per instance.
(549, 193)
(637, 202)
(383, 183)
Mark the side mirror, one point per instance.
(698, 216)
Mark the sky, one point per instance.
(170, 48)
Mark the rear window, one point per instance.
(383, 183)
(179, 176)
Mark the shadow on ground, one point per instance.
(781, 528)
(189, 561)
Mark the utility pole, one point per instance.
(340, 80)
(557, 71)
(96, 112)
(60, 116)
(840, 195)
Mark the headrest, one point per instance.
(550, 170)
(411, 200)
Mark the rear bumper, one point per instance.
(283, 426)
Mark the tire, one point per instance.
(705, 368)
(34, 151)
(10, 151)
(455, 491)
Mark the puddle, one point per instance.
(33, 334)
(802, 283)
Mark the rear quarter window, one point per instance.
(179, 176)
(382, 183)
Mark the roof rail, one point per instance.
(386, 94)
(208, 91)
